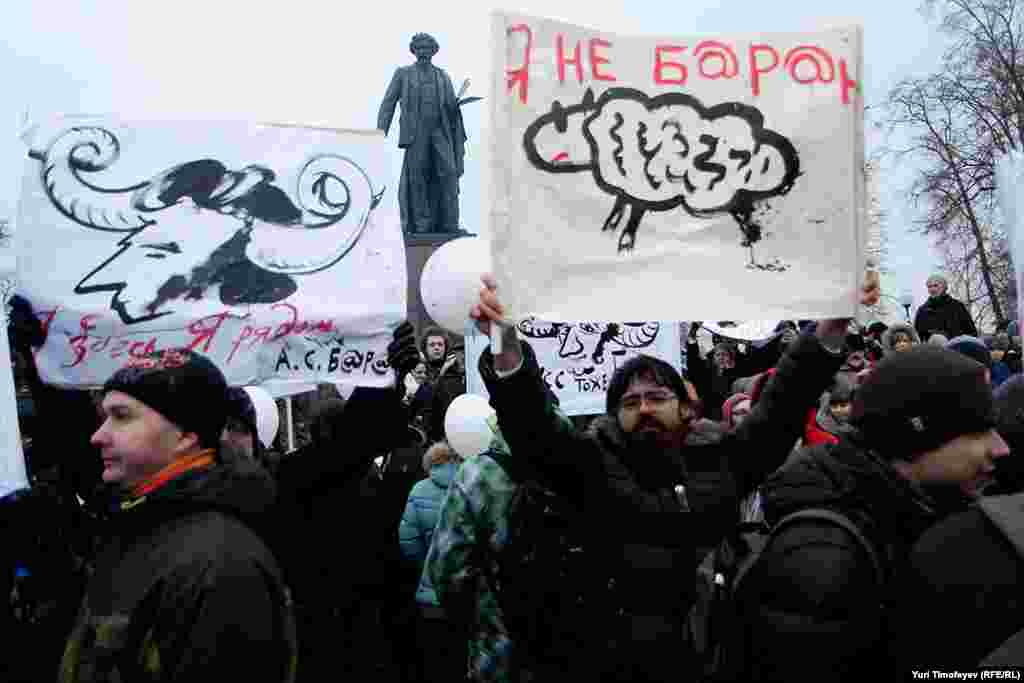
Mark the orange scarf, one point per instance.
(180, 466)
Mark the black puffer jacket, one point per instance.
(813, 599)
(943, 315)
(644, 534)
(186, 588)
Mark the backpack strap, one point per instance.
(843, 522)
(1007, 513)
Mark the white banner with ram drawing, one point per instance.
(652, 177)
(274, 250)
(577, 360)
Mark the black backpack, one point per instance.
(539, 569)
(716, 621)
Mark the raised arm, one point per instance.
(763, 441)
(527, 419)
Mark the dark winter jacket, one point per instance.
(187, 589)
(964, 571)
(451, 384)
(333, 490)
(813, 598)
(943, 315)
(644, 539)
(713, 385)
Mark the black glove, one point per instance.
(694, 329)
(403, 356)
(26, 330)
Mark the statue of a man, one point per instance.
(433, 136)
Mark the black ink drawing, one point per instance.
(588, 340)
(659, 153)
(199, 228)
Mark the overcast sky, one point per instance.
(328, 63)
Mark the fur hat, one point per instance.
(917, 400)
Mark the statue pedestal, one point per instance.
(418, 248)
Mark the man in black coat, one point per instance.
(628, 475)
(942, 314)
(924, 448)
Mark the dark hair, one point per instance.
(646, 367)
(434, 332)
(423, 38)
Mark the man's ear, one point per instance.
(187, 442)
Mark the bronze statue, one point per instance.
(433, 136)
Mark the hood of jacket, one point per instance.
(905, 328)
(849, 478)
(829, 423)
(442, 474)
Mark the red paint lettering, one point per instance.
(261, 335)
(596, 60)
(816, 56)
(79, 342)
(48, 317)
(563, 60)
(521, 76)
(756, 70)
(204, 330)
(846, 83)
(325, 326)
(245, 334)
(286, 328)
(714, 50)
(141, 349)
(661, 63)
(119, 348)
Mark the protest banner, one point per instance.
(267, 248)
(658, 177)
(577, 360)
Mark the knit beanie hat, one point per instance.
(182, 385)
(972, 347)
(917, 400)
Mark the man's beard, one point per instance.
(650, 434)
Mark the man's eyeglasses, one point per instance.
(655, 399)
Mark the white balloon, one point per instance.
(466, 427)
(450, 282)
(267, 418)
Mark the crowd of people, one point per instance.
(165, 538)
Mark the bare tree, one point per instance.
(962, 119)
(877, 247)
